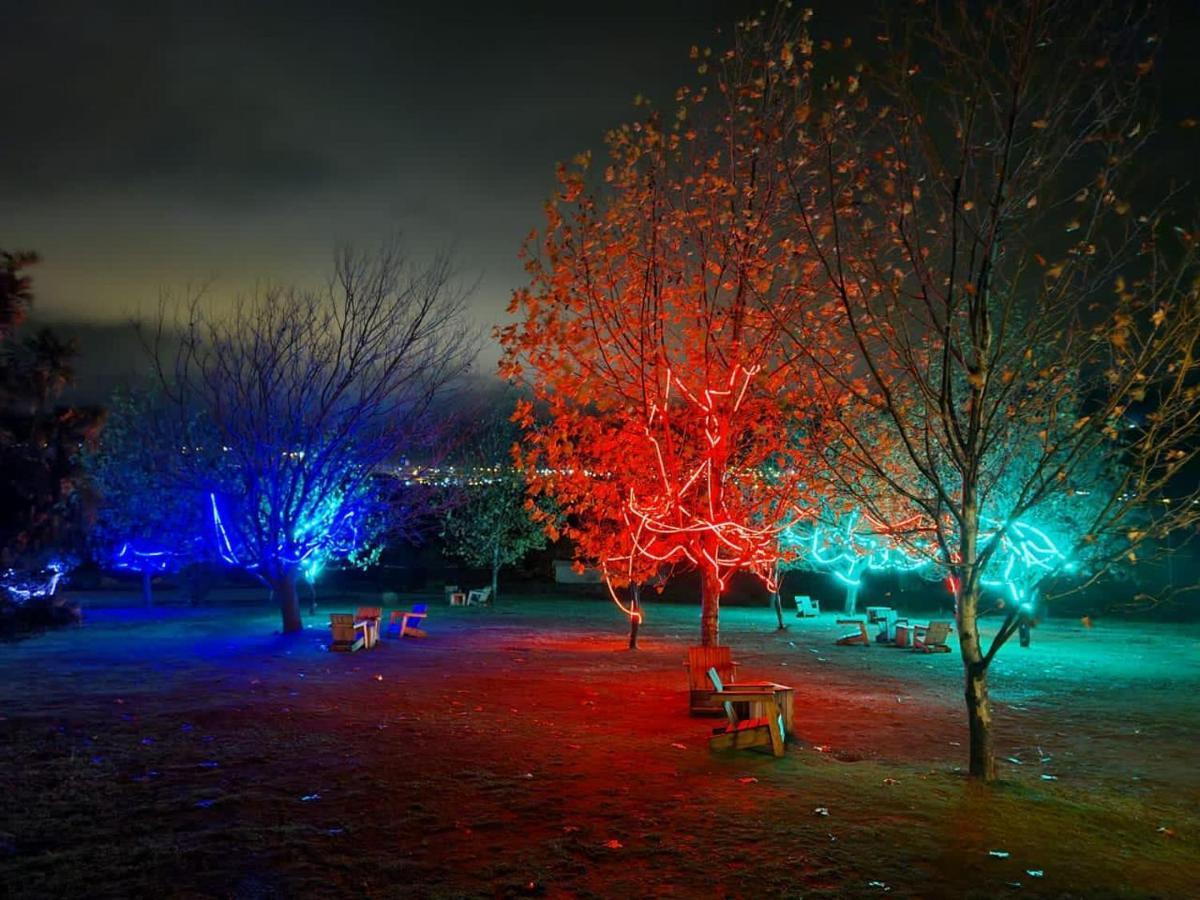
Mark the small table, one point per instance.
(458, 598)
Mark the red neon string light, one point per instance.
(667, 526)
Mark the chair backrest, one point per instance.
(370, 612)
(937, 633)
(342, 626)
(715, 678)
(701, 659)
(419, 607)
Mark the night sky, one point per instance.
(149, 145)
(163, 143)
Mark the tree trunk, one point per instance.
(982, 762)
(852, 590)
(777, 603)
(148, 587)
(312, 597)
(710, 607)
(979, 720)
(283, 589)
(635, 620)
(495, 572)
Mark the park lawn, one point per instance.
(522, 751)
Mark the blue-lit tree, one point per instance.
(312, 394)
(148, 520)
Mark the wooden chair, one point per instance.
(932, 637)
(700, 692)
(406, 623)
(743, 733)
(860, 637)
(702, 699)
(349, 633)
(806, 606)
(372, 616)
(480, 597)
(744, 694)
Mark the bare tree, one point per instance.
(1017, 324)
(312, 395)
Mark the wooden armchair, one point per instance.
(349, 633)
(859, 637)
(806, 606)
(931, 638)
(480, 597)
(372, 616)
(406, 623)
(764, 728)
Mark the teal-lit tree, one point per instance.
(848, 544)
(1018, 313)
(312, 396)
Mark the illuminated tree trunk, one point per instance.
(777, 603)
(710, 607)
(854, 585)
(635, 620)
(283, 588)
(852, 597)
(975, 665)
(148, 587)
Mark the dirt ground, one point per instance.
(522, 751)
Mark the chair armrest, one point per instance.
(735, 696)
(757, 686)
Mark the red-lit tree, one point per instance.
(677, 433)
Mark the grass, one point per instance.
(523, 752)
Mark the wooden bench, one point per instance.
(480, 597)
